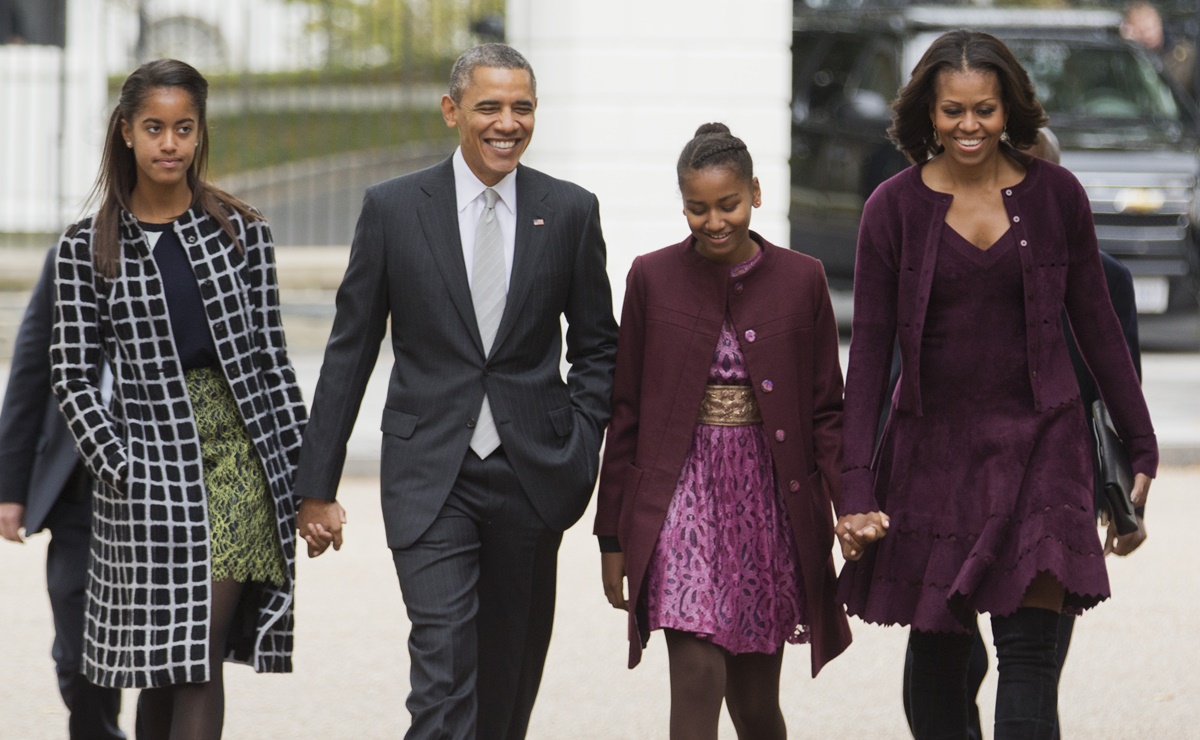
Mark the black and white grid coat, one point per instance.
(148, 595)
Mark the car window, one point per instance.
(1095, 82)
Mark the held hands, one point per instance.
(856, 531)
(320, 524)
(12, 518)
(612, 573)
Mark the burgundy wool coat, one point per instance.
(898, 240)
(675, 304)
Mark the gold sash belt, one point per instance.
(729, 406)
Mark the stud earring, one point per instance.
(129, 143)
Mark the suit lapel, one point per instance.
(533, 215)
(439, 222)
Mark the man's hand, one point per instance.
(320, 524)
(612, 573)
(12, 518)
(855, 531)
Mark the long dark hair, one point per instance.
(118, 166)
(715, 146)
(961, 51)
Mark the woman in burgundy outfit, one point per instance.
(965, 261)
(723, 453)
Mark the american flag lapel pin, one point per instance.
(538, 222)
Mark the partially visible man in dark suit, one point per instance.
(44, 485)
(488, 455)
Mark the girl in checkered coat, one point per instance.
(172, 282)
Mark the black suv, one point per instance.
(1125, 132)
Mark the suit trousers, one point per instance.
(479, 588)
(93, 709)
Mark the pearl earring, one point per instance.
(129, 143)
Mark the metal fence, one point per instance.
(310, 100)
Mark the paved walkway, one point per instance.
(1131, 672)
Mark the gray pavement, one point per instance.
(1131, 671)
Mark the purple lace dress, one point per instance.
(724, 567)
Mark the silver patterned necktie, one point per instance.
(488, 291)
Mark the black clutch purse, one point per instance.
(1116, 474)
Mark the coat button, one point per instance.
(750, 335)
(780, 435)
(1035, 373)
(738, 288)
(470, 423)
(794, 486)
(1016, 219)
(768, 386)
(1024, 243)
(1008, 192)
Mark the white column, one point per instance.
(52, 120)
(622, 86)
(87, 110)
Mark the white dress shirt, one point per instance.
(469, 195)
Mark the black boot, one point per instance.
(1027, 694)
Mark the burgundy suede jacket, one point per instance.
(898, 243)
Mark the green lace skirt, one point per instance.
(245, 544)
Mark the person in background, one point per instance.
(172, 282)
(978, 496)
(1142, 24)
(723, 454)
(45, 485)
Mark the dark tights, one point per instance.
(703, 675)
(1027, 690)
(195, 711)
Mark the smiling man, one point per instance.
(488, 454)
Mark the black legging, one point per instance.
(195, 711)
(977, 667)
(1027, 695)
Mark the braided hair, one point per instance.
(714, 146)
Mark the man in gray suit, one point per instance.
(488, 455)
(44, 485)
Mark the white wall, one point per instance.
(52, 119)
(622, 86)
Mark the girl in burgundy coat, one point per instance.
(966, 261)
(723, 453)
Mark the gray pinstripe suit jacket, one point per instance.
(406, 265)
